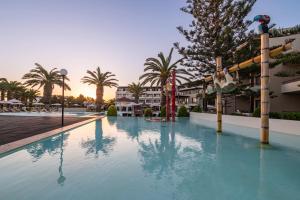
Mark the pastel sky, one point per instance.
(117, 35)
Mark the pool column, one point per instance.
(264, 89)
(219, 96)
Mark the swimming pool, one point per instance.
(129, 158)
(48, 114)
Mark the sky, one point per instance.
(116, 35)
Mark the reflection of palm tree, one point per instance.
(133, 129)
(159, 157)
(61, 179)
(100, 143)
(111, 120)
(37, 150)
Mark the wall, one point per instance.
(283, 132)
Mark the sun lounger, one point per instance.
(24, 109)
(44, 110)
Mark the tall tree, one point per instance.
(13, 88)
(217, 29)
(40, 77)
(100, 80)
(159, 70)
(136, 90)
(3, 88)
(31, 95)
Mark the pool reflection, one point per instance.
(100, 143)
(51, 146)
(61, 179)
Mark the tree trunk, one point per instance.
(136, 99)
(99, 98)
(162, 96)
(2, 95)
(204, 100)
(47, 93)
(251, 95)
(9, 95)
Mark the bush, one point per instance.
(182, 112)
(275, 115)
(148, 112)
(278, 115)
(112, 111)
(290, 115)
(256, 112)
(163, 111)
(197, 109)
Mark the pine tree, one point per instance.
(218, 28)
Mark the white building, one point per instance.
(186, 96)
(127, 107)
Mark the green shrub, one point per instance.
(290, 115)
(256, 112)
(148, 112)
(275, 115)
(182, 112)
(163, 111)
(112, 111)
(197, 109)
(278, 115)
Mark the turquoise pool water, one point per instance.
(129, 158)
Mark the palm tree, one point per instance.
(159, 70)
(13, 87)
(136, 90)
(40, 77)
(3, 87)
(100, 80)
(31, 95)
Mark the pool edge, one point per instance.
(23, 142)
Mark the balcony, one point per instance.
(291, 86)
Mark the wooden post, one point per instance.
(264, 89)
(219, 96)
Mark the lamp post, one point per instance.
(63, 73)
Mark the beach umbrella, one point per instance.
(56, 104)
(14, 101)
(38, 104)
(4, 102)
(18, 103)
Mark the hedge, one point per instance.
(279, 115)
(182, 112)
(148, 112)
(163, 111)
(197, 109)
(112, 111)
